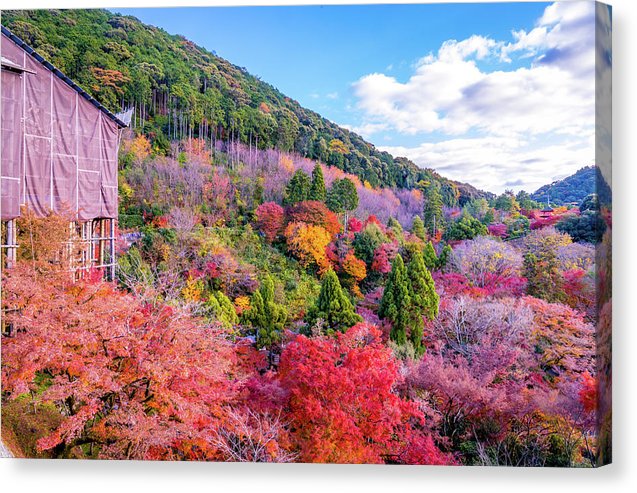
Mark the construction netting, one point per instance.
(59, 151)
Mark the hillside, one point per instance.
(571, 189)
(182, 90)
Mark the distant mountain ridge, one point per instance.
(570, 190)
(179, 90)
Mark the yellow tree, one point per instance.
(308, 242)
(338, 146)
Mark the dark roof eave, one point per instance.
(14, 67)
(60, 75)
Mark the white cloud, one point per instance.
(551, 98)
(498, 163)
(563, 37)
(366, 129)
(332, 95)
(455, 51)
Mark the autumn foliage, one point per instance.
(270, 219)
(248, 322)
(308, 243)
(137, 381)
(314, 213)
(323, 374)
(113, 79)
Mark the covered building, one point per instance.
(546, 213)
(58, 151)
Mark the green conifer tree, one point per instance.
(429, 255)
(396, 300)
(432, 210)
(507, 202)
(342, 198)
(317, 187)
(489, 217)
(418, 228)
(298, 188)
(265, 315)
(221, 308)
(397, 228)
(333, 306)
(467, 228)
(423, 297)
(443, 258)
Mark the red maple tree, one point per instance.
(342, 404)
(270, 219)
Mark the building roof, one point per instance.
(57, 72)
(8, 64)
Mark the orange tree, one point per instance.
(307, 243)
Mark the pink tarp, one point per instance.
(11, 150)
(58, 149)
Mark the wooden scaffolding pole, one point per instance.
(10, 243)
(112, 248)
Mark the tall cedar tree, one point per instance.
(333, 306)
(342, 197)
(395, 302)
(222, 309)
(432, 210)
(317, 187)
(418, 228)
(298, 188)
(265, 315)
(429, 256)
(443, 258)
(424, 299)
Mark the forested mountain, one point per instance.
(182, 90)
(572, 189)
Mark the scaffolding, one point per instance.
(8, 243)
(90, 247)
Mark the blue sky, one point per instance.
(366, 67)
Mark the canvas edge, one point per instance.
(603, 161)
